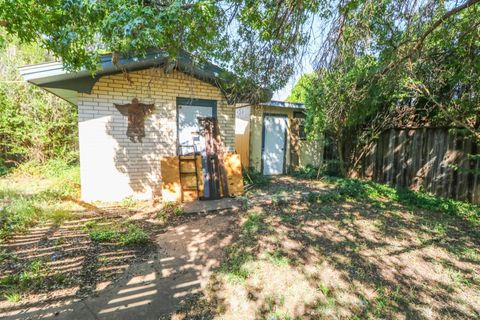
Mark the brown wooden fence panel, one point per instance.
(424, 159)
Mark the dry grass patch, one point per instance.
(351, 251)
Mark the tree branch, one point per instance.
(421, 40)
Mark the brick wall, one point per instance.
(113, 167)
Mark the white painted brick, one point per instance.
(113, 167)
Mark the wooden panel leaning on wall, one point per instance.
(171, 187)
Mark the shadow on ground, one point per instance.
(118, 282)
(345, 258)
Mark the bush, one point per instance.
(253, 177)
(34, 125)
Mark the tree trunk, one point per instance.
(341, 160)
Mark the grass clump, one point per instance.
(12, 296)
(33, 276)
(307, 172)
(129, 203)
(126, 234)
(234, 265)
(254, 223)
(256, 178)
(278, 258)
(170, 209)
(31, 194)
(134, 235)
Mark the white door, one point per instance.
(189, 128)
(275, 133)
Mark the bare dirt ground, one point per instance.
(319, 258)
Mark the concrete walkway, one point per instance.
(212, 205)
(184, 261)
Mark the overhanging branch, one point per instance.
(421, 40)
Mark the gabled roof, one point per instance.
(283, 104)
(54, 78)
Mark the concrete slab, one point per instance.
(212, 205)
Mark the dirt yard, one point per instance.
(318, 250)
(301, 249)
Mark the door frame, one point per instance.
(279, 115)
(181, 101)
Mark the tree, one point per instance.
(257, 39)
(424, 71)
(299, 91)
(34, 125)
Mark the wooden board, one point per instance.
(233, 168)
(171, 188)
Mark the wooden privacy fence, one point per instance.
(425, 159)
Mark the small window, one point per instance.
(302, 133)
(300, 116)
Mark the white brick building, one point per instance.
(112, 166)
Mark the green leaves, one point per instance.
(258, 40)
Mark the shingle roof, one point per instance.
(55, 78)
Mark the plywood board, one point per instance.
(233, 168)
(171, 189)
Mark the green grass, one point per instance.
(252, 177)
(170, 209)
(12, 296)
(129, 203)
(134, 235)
(278, 258)
(254, 223)
(32, 276)
(124, 234)
(377, 194)
(32, 194)
(7, 255)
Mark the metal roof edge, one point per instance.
(283, 104)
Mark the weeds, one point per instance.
(129, 203)
(170, 209)
(134, 235)
(252, 177)
(278, 258)
(127, 234)
(254, 223)
(233, 267)
(12, 296)
(308, 172)
(377, 194)
(32, 276)
(27, 202)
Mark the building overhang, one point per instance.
(55, 78)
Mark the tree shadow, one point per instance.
(380, 259)
(108, 280)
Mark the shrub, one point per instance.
(308, 172)
(253, 177)
(134, 235)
